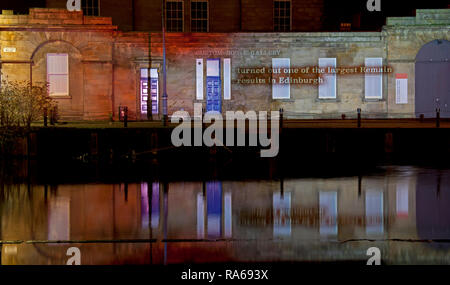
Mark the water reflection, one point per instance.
(405, 213)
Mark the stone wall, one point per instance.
(87, 40)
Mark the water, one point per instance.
(402, 210)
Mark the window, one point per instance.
(281, 88)
(174, 16)
(374, 81)
(327, 90)
(199, 16)
(282, 15)
(91, 7)
(151, 89)
(58, 74)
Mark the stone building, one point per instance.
(94, 67)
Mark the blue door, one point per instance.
(213, 86)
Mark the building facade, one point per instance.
(93, 67)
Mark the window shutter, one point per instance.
(199, 78)
(227, 79)
(327, 89)
(373, 81)
(280, 90)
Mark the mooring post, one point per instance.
(52, 116)
(45, 117)
(359, 117)
(438, 117)
(125, 117)
(281, 119)
(359, 185)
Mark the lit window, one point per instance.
(199, 16)
(373, 81)
(327, 90)
(58, 74)
(282, 15)
(174, 16)
(91, 7)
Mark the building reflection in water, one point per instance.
(326, 219)
(374, 212)
(281, 214)
(328, 214)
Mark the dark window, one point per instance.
(91, 7)
(282, 15)
(199, 16)
(174, 16)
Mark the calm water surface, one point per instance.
(404, 211)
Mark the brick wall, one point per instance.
(257, 15)
(307, 15)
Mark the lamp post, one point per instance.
(164, 96)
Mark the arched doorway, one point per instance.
(432, 79)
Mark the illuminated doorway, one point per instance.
(149, 88)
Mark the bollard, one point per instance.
(359, 117)
(125, 117)
(45, 117)
(281, 119)
(52, 117)
(438, 117)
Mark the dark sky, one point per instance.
(336, 11)
(20, 6)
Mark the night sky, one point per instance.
(335, 11)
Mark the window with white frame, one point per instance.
(199, 15)
(373, 81)
(281, 88)
(91, 7)
(58, 74)
(282, 15)
(174, 15)
(327, 90)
